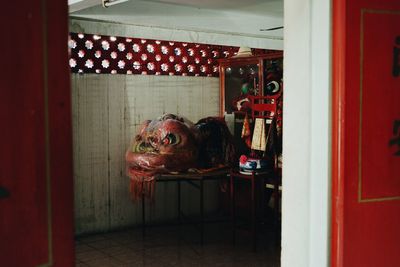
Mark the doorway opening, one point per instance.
(110, 101)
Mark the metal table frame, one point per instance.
(191, 178)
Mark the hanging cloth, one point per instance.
(246, 131)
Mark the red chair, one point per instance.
(264, 106)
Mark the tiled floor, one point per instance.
(176, 246)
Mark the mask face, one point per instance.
(174, 144)
(165, 144)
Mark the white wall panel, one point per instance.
(107, 110)
(90, 132)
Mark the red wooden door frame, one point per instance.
(347, 211)
(338, 112)
(36, 220)
(60, 132)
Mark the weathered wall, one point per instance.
(107, 110)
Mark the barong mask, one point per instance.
(174, 144)
(163, 145)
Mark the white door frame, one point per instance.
(306, 135)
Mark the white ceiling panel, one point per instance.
(230, 17)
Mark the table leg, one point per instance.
(201, 212)
(179, 202)
(143, 213)
(179, 213)
(276, 200)
(232, 184)
(263, 202)
(253, 212)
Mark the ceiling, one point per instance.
(232, 17)
(261, 7)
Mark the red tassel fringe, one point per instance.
(142, 186)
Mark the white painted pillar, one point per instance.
(306, 140)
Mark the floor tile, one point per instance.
(90, 255)
(105, 243)
(176, 247)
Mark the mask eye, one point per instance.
(273, 87)
(140, 147)
(170, 139)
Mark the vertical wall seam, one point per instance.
(108, 155)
